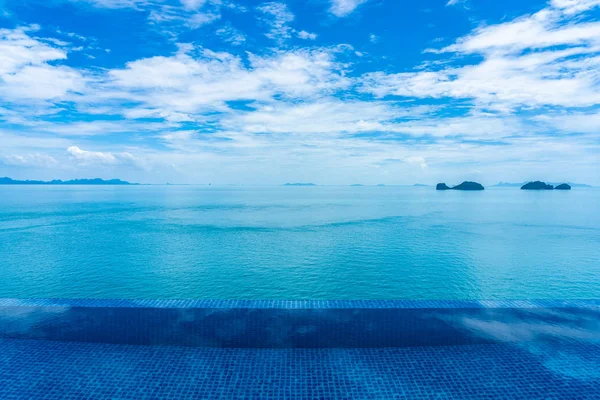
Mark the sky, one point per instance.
(323, 91)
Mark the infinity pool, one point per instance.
(106, 349)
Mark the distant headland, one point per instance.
(299, 184)
(94, 181)
(468, 186)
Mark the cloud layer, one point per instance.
(270, 99)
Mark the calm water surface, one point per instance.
(298, 243)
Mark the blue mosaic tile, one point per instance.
(302, 304)
(294, 327)
(180, 349)
(47, 370)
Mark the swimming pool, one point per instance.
(123, 349)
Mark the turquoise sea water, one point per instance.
(298, 243)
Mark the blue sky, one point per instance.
(326, 91)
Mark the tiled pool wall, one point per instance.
(299, 324)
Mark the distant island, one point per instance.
(538, 185)
(563, 186)
(468, 186)
(509, 184)
(381, 185)
(357, 184)
(299, 184)
(94, 181)
(420, 185)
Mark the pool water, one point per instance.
(115, 349)
(32, 369)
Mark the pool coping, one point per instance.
(299, 304)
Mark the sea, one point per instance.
(276, 242)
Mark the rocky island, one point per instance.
(537, 185)
(467, 185)
(570, 184)
(563, 186)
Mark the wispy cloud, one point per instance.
(116, 3)
(174, 15)
(307, 35)
(277, 17)
(101, 158)
(343, 8)
(190, 84)
(34, 160)
(193, 4)
(454, 2)
(546, 58)
(26, 72)
(230, 34)
(574, 6)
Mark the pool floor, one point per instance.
(37, 369)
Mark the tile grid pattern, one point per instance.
(301, 304)
(45, 370)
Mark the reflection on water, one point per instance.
(261, 326)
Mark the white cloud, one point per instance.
(307, 35)
(199, 19)
(25, 72)
(96, 128)
(193, 4)
(544, 29)
(172, 19)
(328, 116)
(574, 122)
(173, 16)
(230, 34)
(115, 3)
(19, 50)
(277, 16)
(343, 8)
(56, 42)
(575, 6)
(186, 84)
(454, 2)
(532, 61)
(43, 82)
(35, 160)
(373, 38)
(420, 161)
(85, 157)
